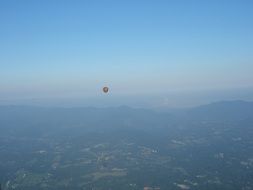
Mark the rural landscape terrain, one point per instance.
(206, 147)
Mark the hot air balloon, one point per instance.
(105, 89)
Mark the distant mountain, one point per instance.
(34, 118)
(222, 111)
(88, 118)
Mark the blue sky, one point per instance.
(69, 49)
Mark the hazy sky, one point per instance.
(160, 49)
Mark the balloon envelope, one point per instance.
(105, 89)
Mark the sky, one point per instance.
(149, 53)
